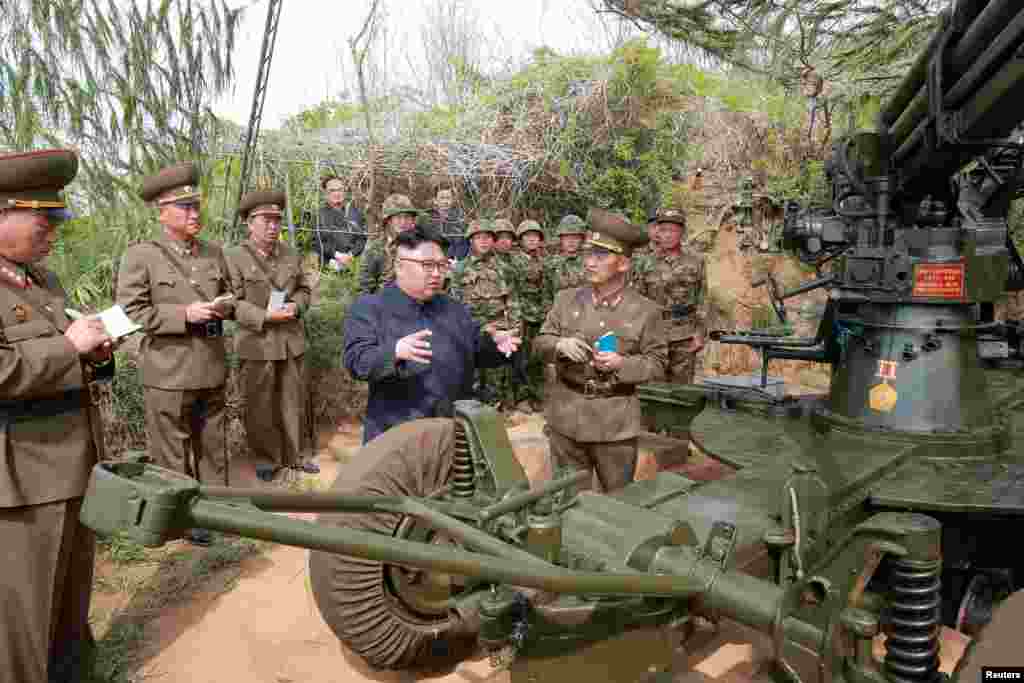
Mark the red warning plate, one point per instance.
(939, 280)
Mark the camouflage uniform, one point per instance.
(378, 267)
(676, 282)
(566, 272)
(480, 283)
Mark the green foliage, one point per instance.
(326, 319)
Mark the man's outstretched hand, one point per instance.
(414, 347)
(507, 342)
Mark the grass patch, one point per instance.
(117, 653)
(177, 574)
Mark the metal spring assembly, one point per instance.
(463, 479)
(912, 646)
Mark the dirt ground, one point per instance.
(259, 623)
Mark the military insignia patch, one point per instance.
(22, 312)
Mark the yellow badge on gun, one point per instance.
(882, 398)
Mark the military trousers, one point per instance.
(275, 409)
(614, 461)
(186, 431)
(46, 565)
(681, 363)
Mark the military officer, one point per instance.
(378, 268)
(479, 281)
(675, 279)
(591, 408)
(565, 271)
(52, 433)
(176, 287)
(271, 293)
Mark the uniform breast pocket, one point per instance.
(32, 329)
(629, 343)
(256, 286)
(164, 285)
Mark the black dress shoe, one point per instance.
(266, 472)
(200, 537)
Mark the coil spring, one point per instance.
(463, 480)
(912, 647)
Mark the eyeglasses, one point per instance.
(439, 267)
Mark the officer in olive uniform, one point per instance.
(565, 271)
(479, 281)
(271, 293)
(52, 433)
(378, 268)
(676, 280)
(171, 287)
(591, 408)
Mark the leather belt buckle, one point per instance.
(590, 388)
(213, 328)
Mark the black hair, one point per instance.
(410, 239)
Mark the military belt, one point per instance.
(592, 388)
(28, 409)
(209, 329)
(678, 311)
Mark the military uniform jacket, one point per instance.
(154, 293)
(45, 456)
(480, 283)
(252, 278)
(676, 282)
(378, 265)
(637, 323)
(565, 272)
(528, 277)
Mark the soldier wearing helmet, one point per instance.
(479, 281)
(675, 279)
(378, 267)
(534, 300)
(565, 270)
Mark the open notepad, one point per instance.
(114, 319)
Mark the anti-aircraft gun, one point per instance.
(914, 248)
(850, 516)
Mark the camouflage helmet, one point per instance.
(528, 225)
(572, 225)
(480, 225)
(669, 215)
(396, 204)
(504, 225)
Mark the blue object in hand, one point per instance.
(608, 342)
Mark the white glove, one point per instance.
(574, 349)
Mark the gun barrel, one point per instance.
(993, 32)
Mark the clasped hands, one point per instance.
(578, 351)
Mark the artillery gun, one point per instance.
(849, 516)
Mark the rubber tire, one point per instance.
(413, 459)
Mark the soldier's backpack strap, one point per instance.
(177, 267)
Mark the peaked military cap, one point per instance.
(676, 216)
(396, 204)
(261, 203)
(504, 225)
(572, 225)
(528, 225)
(178, 183)
(613, 232)
(33, 180)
